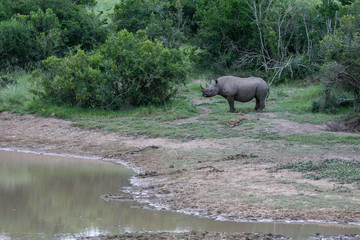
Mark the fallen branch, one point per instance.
(347, 100)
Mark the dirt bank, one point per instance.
(192, 236)
(223, 178)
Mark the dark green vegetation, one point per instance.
(126, 70)
(334, 169)
(121, 54)
(36, 29)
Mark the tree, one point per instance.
(18, 45)
(226, 32)
(278, 37)
(162, 20)
(342, 50)
(288, 29)
(132, 15)
(49, 32)
(48, 28)
(329, 11)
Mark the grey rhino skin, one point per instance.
(239, 89)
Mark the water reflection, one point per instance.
(51, 195)
(56, 197)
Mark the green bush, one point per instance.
(33, 30)
(342, 50)
(128, 70)
(5, 79)
(167, 21)
(145, 72)
(18, 45)
(336, 91)
(132, 15)
(332, 103)
(75, 80)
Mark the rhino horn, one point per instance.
(201, 87)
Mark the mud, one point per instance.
(351, 124)
(240, 186)
(193, 235)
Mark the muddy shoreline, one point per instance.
(136, 184)
(240, 187)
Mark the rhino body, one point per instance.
(239, 89)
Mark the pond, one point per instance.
(56, 197)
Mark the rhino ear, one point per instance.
(214, 82)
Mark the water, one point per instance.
(53, 197)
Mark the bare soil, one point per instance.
(191, 236)
(243, 185)
(349, 125)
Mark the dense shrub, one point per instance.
(342, 51)
(18, 45)
(6, 78)
(127, 70)
(167, 21)
(49, 32)
(9, 8)
(72, 80)
(36, 29)
(132, 15)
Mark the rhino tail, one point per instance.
(268, 84)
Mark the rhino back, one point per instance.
(242, 89)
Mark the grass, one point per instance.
(308, 202)
(17, 96)
(156, 121)
(295, 103)
(333, 169)
(298, 99)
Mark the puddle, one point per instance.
(54, 197)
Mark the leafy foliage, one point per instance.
(36, 29)
(132, 15)
(145, 72)
(128, 70)
(224, 26)
(167, 21)
(342, 51)
(19, 46)
(72, 80)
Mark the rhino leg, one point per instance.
(260, 96)
(261, 105)
(231, 104)
(257, 104)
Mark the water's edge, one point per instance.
(136, 182)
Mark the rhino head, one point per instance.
(212, 90)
